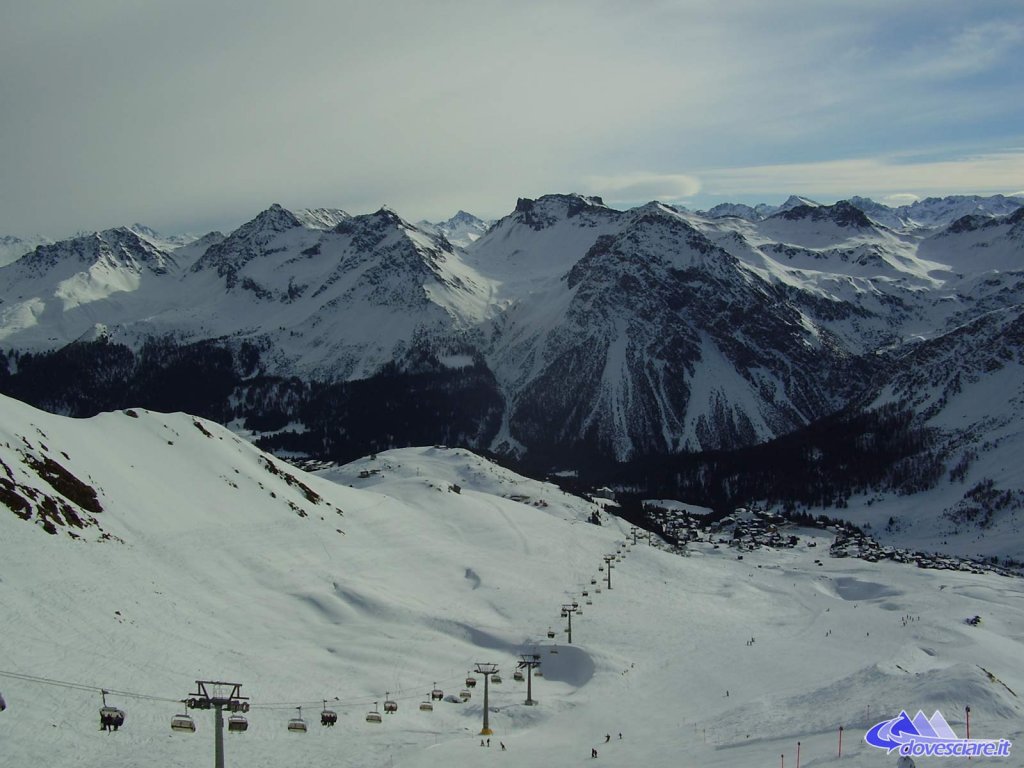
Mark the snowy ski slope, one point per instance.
(221, 563)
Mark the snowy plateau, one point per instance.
(143, 551)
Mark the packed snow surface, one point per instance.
(204, 559)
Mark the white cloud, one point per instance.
(971, 50)
(634, 187)
(877, 176)
(900, 198)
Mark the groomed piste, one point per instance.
(200, 558)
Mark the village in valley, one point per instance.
(683, 526)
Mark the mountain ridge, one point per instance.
(654, 329)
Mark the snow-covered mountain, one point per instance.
(894, 218)
(930, 213)
(342, 301)
(461, 229)
(940, 211)
(759, 211)
(937, 212)
(144, 551)
(967, 387)
(739, 210)
(682, 332)
(68, 287)
(162, 241)
(324, 290)
(625, 332)
(979, 243)
(665, 337)
(538, 243)
(12, 247)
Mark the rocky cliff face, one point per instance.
(667, 342)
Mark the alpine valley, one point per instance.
(806, 354)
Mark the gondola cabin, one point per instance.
(183, 724)
(496, 678)
(426, 706)
(390, 707)
(437, 694)
(328, 718)
(471, 682)
(518, 676)
(237, 724)
(551, 633)
(297, 724)
(465, 695)
(373, 717)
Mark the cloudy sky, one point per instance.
(193, 114)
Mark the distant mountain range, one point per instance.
(921, 214)
(462, 229)
(13, 248)
(565, 332)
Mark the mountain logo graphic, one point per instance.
(930, 737)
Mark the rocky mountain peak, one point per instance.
(550, 209)
(795, 201)
(118, 246)
(739, 210)
(246, 243)
(462, 217)
(321, 218)
(969, 223)
(387, 215)
(843, 214)
(276, 218)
